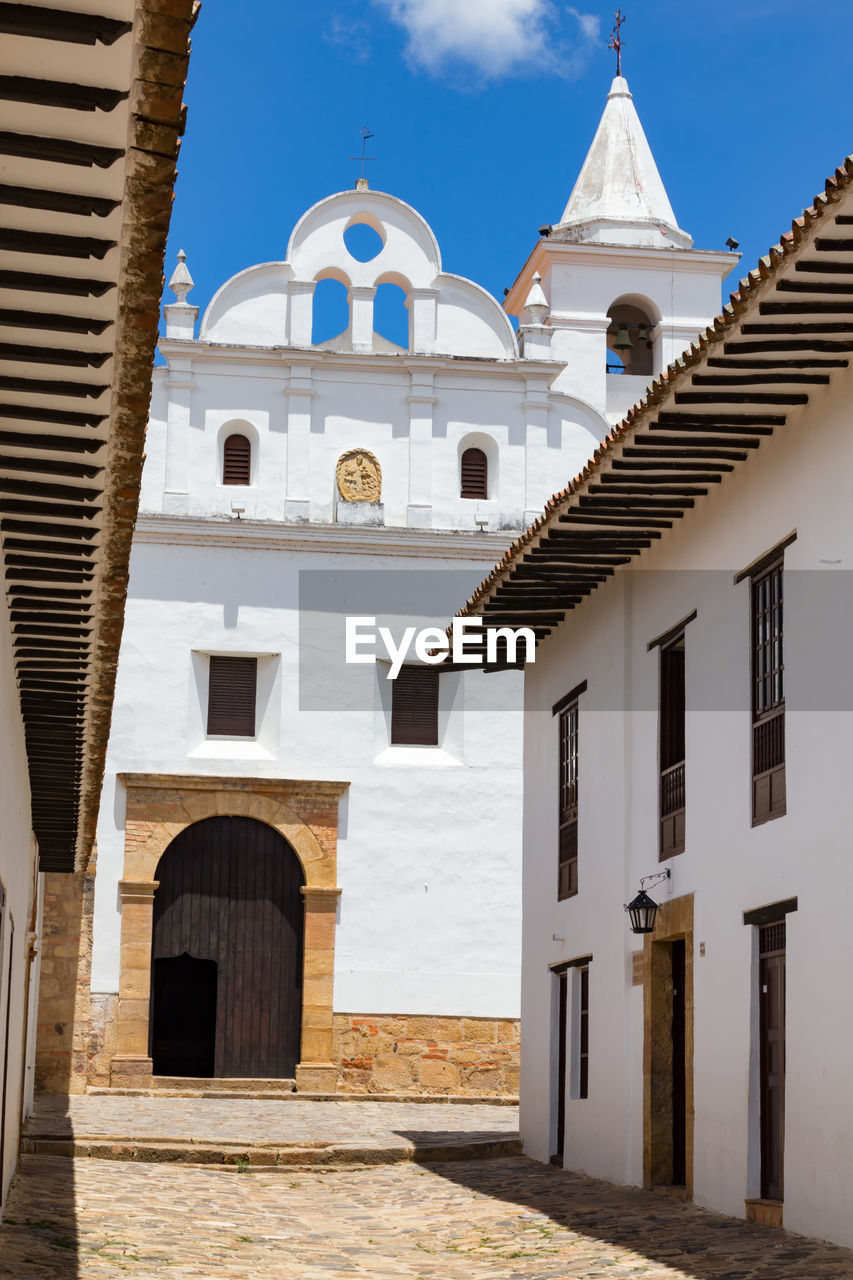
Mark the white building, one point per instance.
(678, 721)
(290, 483)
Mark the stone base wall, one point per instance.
(103, 1039)
(64, 1007)
(408, 1053)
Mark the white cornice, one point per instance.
(331, 539)
(280, 357)
(703, 261)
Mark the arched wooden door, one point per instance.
(229, 894)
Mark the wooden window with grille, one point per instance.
(768, 693)
(232, 696)
(475, 474)
(567, 872)
(237, 460)
(414, 707)
(672, 718)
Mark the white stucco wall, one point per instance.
(429, 850)
(17, 872)
(415, 414)
(799, 479)
(677, 289)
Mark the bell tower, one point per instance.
(625, 289)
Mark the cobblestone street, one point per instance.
(289, 1119)
(505, 1219)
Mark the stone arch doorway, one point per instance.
(227, 946)
(158, 809)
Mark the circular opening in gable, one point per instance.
(363, 242)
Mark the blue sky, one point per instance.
(483, 111)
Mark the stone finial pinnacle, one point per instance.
(536, 308)
(181, 282)
(180, 315)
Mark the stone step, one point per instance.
(245, 1157)
(226, 1085)
(214, 1089)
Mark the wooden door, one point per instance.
(771, 977)
(679, 1066)
(562, 1064)
(183, 1025)
(229, 892)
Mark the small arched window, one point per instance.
(475, 474)
(237, 461)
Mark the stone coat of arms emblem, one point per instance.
(359, 476)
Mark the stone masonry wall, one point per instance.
(64, 1008)
(407, 1053)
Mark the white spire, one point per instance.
(536, 307)
(181, 282)
(619, 197)
(181, 315)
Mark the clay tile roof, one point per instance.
(89, 166)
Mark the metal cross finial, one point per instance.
(615, 41)
(365, 134)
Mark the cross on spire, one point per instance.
(365, 159)
(615, 41)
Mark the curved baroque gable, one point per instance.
(270, 305)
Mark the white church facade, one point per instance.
(688, 724)
(307, 871)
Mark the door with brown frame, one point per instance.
(559, 1139)
(771, 986)
(668, 1065)
(226, 990)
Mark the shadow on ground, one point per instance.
(666, 1231)
(42, 1220)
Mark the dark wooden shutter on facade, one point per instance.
(672, 717)
(232, 693)
(583, 1032)
(475, 474)
(567, 871)
(414, 707)
(771, 978)
(237, 460)
(562, 1033)
(768, 695)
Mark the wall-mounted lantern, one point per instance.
(642, 910)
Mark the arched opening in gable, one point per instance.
(391, 317)
(331, 315)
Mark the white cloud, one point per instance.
(493, 37)
(351, 38)
(589, 23)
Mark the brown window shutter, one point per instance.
(232, 696)
(672, 724)
(414, 707)
(475, 474)
(768, 694)
(567, 855)
(237, 461)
